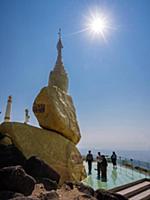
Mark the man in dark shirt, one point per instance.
(99, 161)
(104, 169)
(114, 159)
(89, 159)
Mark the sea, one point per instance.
(143, 156)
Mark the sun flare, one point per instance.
(98, 24)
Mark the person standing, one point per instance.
(89, 160)
(104, 169)
(99, 161)
(114, 159)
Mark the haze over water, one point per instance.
(136, 155)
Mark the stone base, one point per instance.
(57, 151)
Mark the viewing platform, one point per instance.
(115, 177)
(131, 181)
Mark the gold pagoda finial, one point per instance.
(59, 47)
(59, 33)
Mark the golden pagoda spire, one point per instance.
(59, 49)
(58, 76)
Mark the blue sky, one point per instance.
(109, 81)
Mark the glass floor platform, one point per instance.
(115, 177)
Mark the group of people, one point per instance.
(101, 164)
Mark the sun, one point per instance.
(98, 24)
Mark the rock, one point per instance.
(39, 169)
(15, 179)
(5, 195)
(55, 111)
(85, 189)
(2, 136)
(49, 184)
(4, 139)
(73, 194)
(70, 184)
(102, 194)
(25, 198)
(58, 152)
(10, 155)
(38, 189)
(85, 197)
(52, 195)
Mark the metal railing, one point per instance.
(140, 166)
